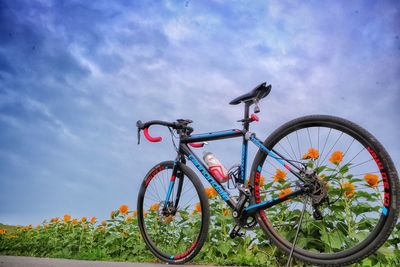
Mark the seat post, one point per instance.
(246, 116)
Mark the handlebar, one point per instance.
(142, 126)
(179, 124)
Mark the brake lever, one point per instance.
(138, 136)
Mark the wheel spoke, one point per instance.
(354, 202)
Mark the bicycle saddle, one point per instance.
(261, 91)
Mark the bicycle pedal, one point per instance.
(317, 215)
(236, 232)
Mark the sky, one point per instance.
(75, 76)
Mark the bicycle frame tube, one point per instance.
(269, 203)
(185, 150)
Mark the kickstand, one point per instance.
(289, 262)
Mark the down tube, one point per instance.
(203, 170)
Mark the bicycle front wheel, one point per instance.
(354, 204)
(174, 229)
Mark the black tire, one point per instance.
(310, 250)
(175, 238)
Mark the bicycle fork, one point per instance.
(168, 209)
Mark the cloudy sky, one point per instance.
(76, 75)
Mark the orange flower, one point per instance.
(123, 209)
(197, 208)
(285, 192)
(210, 191)
(311, 154)
(144, 214)
(225, 212)
(336, 157)
(154, 207)
(279, 176)
(93, 219)
(75, 221)
(56, 219)
(129, 218)
(371, 179)
(67, 217)
(168, 219)
(83, 219)
(262, 181)
(104, 223)
(3, 231)
(349, 189)
(134, 213)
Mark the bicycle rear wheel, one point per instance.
(355, 205)
(174, 229)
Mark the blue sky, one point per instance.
(76, 75)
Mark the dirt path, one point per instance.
(14, 261)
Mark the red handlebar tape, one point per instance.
(150, 138)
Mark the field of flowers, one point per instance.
(118, 237)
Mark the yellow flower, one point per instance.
(129, 218)
(112, 214)
(104, 223)
(210, 191)
(67, 217)
(93, 219)
(75, 221)
(311, 154)
(279, 176)
(285, 192)
(154, 207)
(336, 157)
(349, 189)
(123, 209)
(83, 219)
(371, 179)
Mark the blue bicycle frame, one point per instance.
(233, 133)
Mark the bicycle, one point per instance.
(317, 209)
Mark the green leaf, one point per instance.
(385, 251)
(344, 169)
(333, 239)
